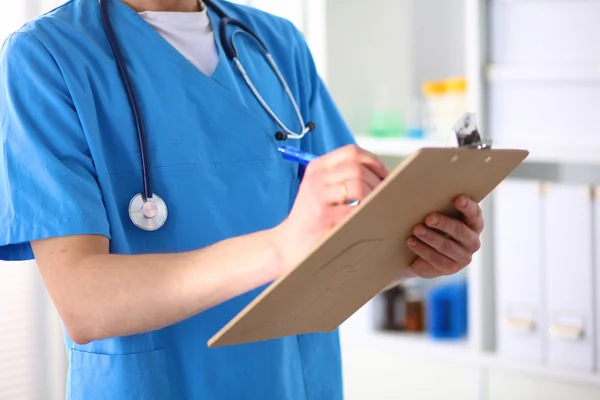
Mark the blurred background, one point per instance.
(523, 321)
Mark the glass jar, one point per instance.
(385, 121)
(434, 94)
(395, 309)
(456, 92)
(415, 309)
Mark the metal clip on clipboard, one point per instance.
(467, 133)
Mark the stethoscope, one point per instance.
(147, 210)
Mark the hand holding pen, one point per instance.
(444, 245)
(330, 182)
(359, 182)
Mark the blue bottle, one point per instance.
(447, 311)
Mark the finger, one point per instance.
(442, 264)
(331, 217)
(443, 245)
(471, 211)
(337, 214)
(456, 229)
(422, 269)
(343, 192)
(351, 153)
(351, 170)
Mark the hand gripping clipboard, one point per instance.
(368, 250)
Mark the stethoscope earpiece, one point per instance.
(281, 136)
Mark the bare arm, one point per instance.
(100, 295)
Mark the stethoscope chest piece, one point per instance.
(148, 214)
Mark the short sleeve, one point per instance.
(331, 130)
(48, 184)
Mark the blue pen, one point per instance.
(296, 155)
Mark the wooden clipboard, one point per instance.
(368, 250)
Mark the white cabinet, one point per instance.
(545, 112)
(549, 55)
(569, 277)
(543, 32)
(518, 268)
(596, 237)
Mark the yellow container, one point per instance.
(456, 84)
(434, 88)
(445, 101)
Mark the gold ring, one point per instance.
(344, 193)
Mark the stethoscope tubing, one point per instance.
(256, 93)
(127, 82)
(231, 53)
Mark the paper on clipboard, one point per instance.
(368, 250)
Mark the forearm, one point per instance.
(107, 295)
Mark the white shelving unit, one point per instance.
(538, 153)
(479, 350)
(393, 147)
(572, 73)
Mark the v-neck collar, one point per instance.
(214, 19)
(215, 80)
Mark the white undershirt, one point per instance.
(190, 33)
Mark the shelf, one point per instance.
(403, 343)
(396, 147)
(554, 73)
(576, 155)
(498, 362)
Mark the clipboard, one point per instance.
(368, 250)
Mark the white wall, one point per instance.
(369, 45)
(12, 16)
(33, 361)
(439, 30)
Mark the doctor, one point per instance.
(141, 171)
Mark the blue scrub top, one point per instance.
(70, 163)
